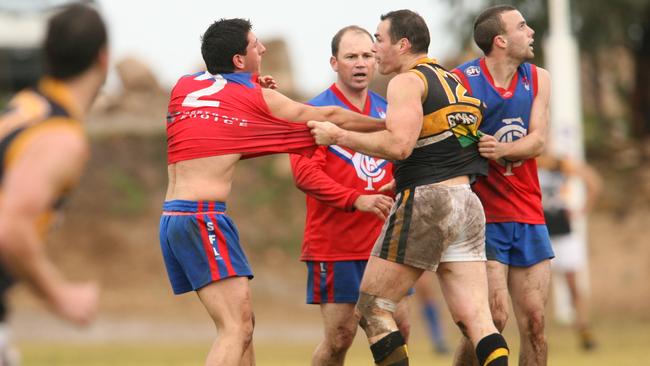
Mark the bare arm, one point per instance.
(403, 123)
(531, 145)
(30, 187)
(285, 108)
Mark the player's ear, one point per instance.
(239, 61)
(334, 63)
(404, 45)
(500, 41)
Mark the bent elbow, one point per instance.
(400, 152)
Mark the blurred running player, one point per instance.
(43, 149)
(555, 175)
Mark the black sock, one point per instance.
(492, 350)
(390, 350)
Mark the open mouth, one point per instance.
(360, 75)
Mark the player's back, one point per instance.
(446, 147)
(212, 122)
(30, 114)
(207, 179)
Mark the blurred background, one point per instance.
(598, 53)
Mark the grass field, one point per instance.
(619, 344)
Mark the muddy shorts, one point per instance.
(431, 224)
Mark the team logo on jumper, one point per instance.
(512, 130)
(461, 118)
(473, 71)
(368, 169)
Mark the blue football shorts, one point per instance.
(335, 282)
(200, 245)
(517, 244)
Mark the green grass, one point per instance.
(619, 344)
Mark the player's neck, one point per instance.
(502, 69)
(355, 96)
(82, 97)
(409, 61)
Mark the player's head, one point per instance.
(400, 32)
(352, 58)
(229, 45)
(75, 43)
(503, 27)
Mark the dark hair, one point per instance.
(336, 40)
(75, 36)
(222, 40)
(489, 25)
(410, 25)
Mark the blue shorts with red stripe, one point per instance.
(200, 245)
(517, 244)
(335, 282)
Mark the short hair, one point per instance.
(75, 37)
(336, 40)
(410, 25)
(222, 40)
(489, 25)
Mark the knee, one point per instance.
(375, 314)
(249, 327)
(500, 318)
(535, 324)
(341, 341)
(241, 329)
(499, 311)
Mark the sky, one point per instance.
(166, 34)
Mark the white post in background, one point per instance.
(566, 135)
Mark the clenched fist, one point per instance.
(325, 133)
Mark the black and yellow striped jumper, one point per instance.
(432, 223)
(29, 114)
(446, 148)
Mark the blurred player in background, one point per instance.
(570, 249)
(426, 299)
(44, 148)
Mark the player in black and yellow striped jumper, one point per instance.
(437, 222)
(43, 149)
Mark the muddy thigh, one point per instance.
(432, 228)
